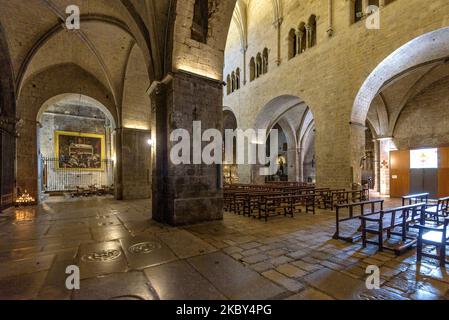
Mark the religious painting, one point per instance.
(80, 151)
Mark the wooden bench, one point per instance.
(354, 212)
(388, 221)
(415, 199)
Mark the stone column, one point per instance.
(376, 166)
(308, 37)
(244, 65)
(293, 167)
(277, 25)
(299, 35)
(357, 132)
(365, 4)
(118, 181)
(384, 152)
(330, 28)
(185, 193)
(300, 164)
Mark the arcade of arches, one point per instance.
(91, 111)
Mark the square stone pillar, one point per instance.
(186, 193)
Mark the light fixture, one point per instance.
(150, 142)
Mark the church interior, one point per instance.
(347, 100)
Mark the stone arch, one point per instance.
(312, 24)
(292, 44)
(237, 79)
(135, 106)
(37, 91)
(302, 39)
(82, 98)
(265, 61)
(259, 66)
(426, 49)
(252, 69)
(271, 113)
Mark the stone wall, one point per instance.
(424, 122)
(328, 76)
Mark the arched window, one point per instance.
(258, 65)
(358, 10)
(237, 79)
(200, 25)
(265, 61)
(292, 44)
(228, 84)
(252, 69)
(312, 31)
(233, 82)
(302, 39)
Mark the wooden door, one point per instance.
(399, 173)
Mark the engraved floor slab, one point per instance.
(180, 281)
(233, 279)
(101, 259)
(146, 251)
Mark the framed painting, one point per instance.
(79, 151)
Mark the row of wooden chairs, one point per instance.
(263, 201)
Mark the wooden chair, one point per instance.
(438, 210)
(435, 237)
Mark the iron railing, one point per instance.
(56, 177)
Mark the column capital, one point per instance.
(155, 87)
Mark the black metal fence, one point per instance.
(58, 177)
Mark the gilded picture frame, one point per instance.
(79, 151)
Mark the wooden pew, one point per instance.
(374, 207)
(391, 219)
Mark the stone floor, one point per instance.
(122, 254)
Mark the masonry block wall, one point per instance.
(328, 76)
(424, 122)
